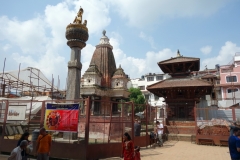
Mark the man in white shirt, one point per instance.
(159, 126)
(16, 152)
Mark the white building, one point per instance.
(146, 80)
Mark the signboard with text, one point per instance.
(61, 117)
(17, 112)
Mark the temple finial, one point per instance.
(104, 32)
(104, 39)
(178, 53)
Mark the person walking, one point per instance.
(44, 143)
(234, 144)
(27, 150)
(159, 128)
(127, 147)
(16, 152)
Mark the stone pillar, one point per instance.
(73, 81)
(74, 74)
(77, 35)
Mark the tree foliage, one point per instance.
(137, 98)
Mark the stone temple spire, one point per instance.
(103, 57)
(104, 39)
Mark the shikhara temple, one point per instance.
(181, 92)
(106, 85)
(103, 80)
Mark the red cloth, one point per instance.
(128, 150)
(137, 156)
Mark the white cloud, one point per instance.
(224, 57)
(206, 49)
(139, 66)
(6, 47)
(141, 13)
(96, 13)
(149, 39)
(28, 35)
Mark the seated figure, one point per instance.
(78, 18)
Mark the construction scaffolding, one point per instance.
(28, 82)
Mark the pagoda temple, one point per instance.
(181, 92)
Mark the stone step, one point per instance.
(181, 130)
(182, 137)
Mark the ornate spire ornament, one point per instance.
(104, 39)
(77, 32)
(178, 53)
(104, 33)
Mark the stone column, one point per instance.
(77, 35)
(74, 74)
(73, 82)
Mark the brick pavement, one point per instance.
(183, 151)
(179, 151)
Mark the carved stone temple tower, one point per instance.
(106, 85)
(103, 80)
(77, 35)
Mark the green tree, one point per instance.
(137, 98)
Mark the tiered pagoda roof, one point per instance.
(179, 65)
(179, 82)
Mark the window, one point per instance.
(232, 90)
(96, 108)
(142, 87)
(156, 97)
(159, 78)
(231, 79)
(150, 78)
(115, 108)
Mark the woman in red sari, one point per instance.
(127, 147)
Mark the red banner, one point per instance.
(61, 117)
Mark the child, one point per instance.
(137, 153)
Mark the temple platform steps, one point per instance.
(182, 137)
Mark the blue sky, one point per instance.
(142, 32)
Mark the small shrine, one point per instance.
(181, 92)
